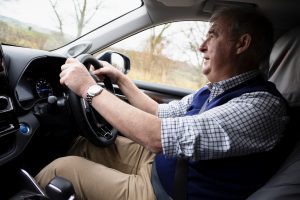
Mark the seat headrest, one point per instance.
(285, 66)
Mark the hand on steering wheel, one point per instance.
(93, 126)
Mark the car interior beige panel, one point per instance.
(284, 66)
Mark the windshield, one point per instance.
(50, 24)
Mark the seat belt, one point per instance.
(181, 173)
(180, 180)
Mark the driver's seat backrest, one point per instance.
(285, 73)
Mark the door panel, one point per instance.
(161, 93)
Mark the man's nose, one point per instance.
(203, 47)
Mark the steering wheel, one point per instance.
(92, 125)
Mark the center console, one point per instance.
(16, 130)
(8, 119)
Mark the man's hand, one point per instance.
(110, 71)
(76, 77)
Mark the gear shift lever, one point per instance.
(60, 189)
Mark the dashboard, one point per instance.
(27, 78)
(39, 80)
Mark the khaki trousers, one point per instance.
(120, 171)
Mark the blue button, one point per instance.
(24, 129)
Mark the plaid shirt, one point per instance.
(252, 122)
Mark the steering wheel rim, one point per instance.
(92, 125)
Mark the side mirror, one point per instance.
(118, 60)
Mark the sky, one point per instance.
(39, 12)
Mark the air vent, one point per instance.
(8, 119)
(5, 104)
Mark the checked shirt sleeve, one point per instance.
(250, 123)
(175, 108)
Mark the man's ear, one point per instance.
(243, 43)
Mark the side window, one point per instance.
(167, 54)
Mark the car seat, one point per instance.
(285, 73)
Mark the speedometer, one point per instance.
(43, 88)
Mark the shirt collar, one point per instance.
(221, 86)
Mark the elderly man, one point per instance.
(224, 135)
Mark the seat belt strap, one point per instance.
(181, 173)
(180, 180)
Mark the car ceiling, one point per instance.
(284, 14)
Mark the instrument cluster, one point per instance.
(39, 81)
(43, 88)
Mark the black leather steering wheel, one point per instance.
(92, 125)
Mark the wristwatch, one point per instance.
(93, 91)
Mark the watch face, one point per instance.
(94, 90)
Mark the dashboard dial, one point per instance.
(43, 88)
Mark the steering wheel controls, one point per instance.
(24, 129)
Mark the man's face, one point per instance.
(218, 52)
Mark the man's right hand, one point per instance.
(76, 77)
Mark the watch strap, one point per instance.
(90, 96)
(89, 99)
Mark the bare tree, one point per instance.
(53, 4)
(155, 45)
(83, 14)
(82, 17)
(195, 35)
(157, 40)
